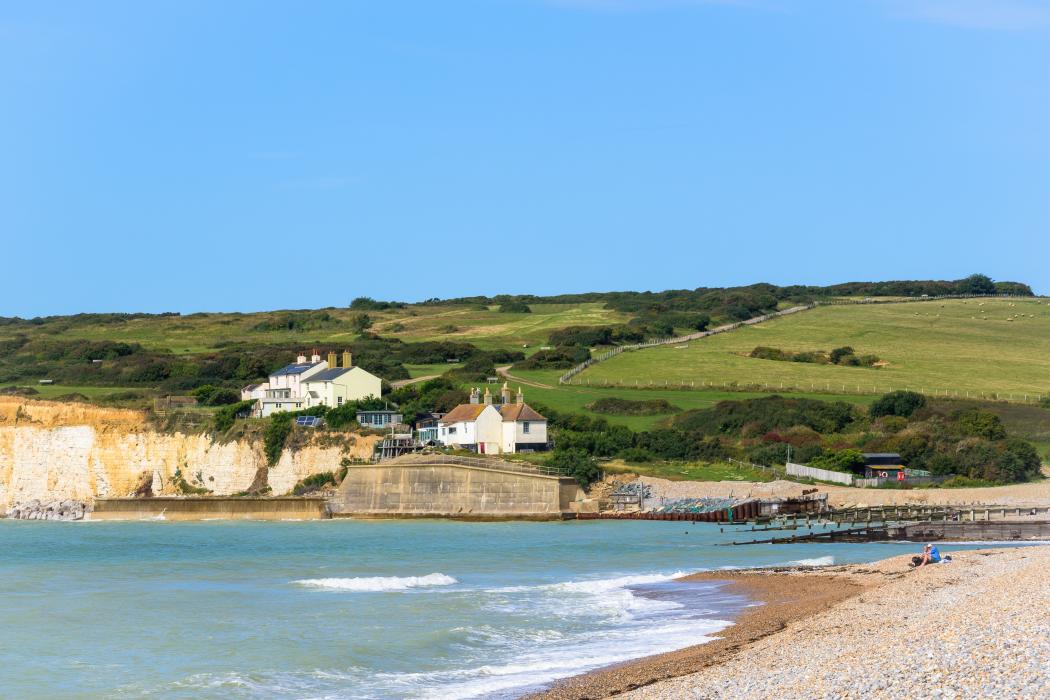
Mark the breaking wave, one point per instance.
(377, 584)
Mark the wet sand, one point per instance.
(787, 594)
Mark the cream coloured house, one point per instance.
(334, 387)
(486, 428)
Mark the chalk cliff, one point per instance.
(56, 451)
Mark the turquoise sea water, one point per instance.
(343, 609)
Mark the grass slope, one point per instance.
(957, 345)
(485, 327)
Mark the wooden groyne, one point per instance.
(945, 531)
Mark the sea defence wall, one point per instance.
(452, 487)
(290, 508)
(57, 451)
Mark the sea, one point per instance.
(358, 609)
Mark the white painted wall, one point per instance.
(294, 381)
(514, 434)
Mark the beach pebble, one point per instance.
(976, 629)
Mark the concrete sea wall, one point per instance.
(444, 490)
(57, 451)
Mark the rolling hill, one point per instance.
(959, 347)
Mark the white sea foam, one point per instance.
(536, 665)
(375, 584)
(817, 561)
(600, 585)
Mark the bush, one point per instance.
(209, 395)
(978, 423)
(628, 407)
(514, 307)
(314, 482)
(556, 358)
(225, 416)
(274, 437)
(838, 353)
(635, 455)
(846, 461)
(370, 304)
(575, 463)
(897, 403)
(767, 414)
(360, 322)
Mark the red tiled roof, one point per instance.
(518, 412)
(510, 412)
(462, 412)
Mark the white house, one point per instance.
(314, 383)
(486, 428)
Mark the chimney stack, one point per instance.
(488, 397)
(347, 357)
(504, 394)
(332, 364)
(474, 395)
(300, 359)
(314, 357)
(521, 396)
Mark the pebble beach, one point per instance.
(977, 627)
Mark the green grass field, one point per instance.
(50, 391)
(485, 327)
(959, 346)
(684, 471)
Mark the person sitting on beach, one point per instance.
(930, 555)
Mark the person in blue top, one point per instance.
(930, 555)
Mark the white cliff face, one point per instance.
(52, 452)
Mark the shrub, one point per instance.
(891, 424)
(897, 403)
(575, 463)
(635, 455)
(838, 353)
(556, 358)
(274, 437)
(370, 304)
(314, 482)
(225, 416)
(766, 414)
(514, 307)
(628, 407)
(360, 322)
(846, 461)
(978, 423)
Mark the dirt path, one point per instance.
(505, 373)
(405, 382)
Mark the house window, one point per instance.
(339, 401)
(525, 427)
(451, 431)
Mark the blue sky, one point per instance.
(253, 155)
